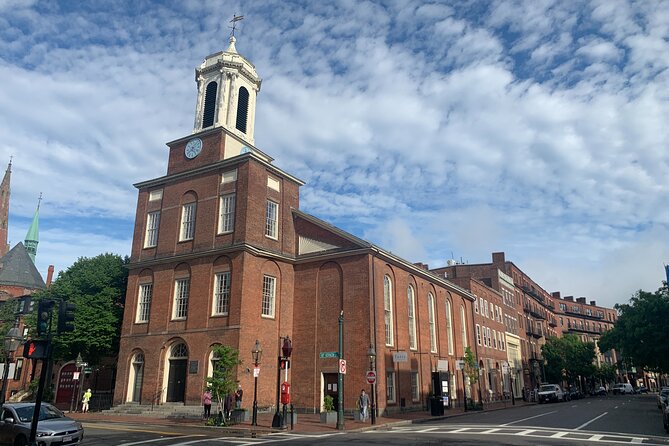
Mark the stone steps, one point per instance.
(157, 411)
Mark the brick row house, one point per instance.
(222, 254)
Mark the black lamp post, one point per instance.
(372, 358)
(257, 354)
(11, 344)
(286, 349)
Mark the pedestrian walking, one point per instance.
(206, 402)
(85, 400)
(363, 404)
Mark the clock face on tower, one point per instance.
(193, 148)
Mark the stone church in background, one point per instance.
(223, 255)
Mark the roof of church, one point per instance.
(17, 269)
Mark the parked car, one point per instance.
(642, 389)
(599, 391)
(662, 397)
(550, 392)
(622, 388)
(53, 428)
(665, 417)
(575, 394)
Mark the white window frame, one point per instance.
(476, 306)
(388, 309)
(449, 326)
(181, 295)
(144, 303)
(478, 334)
(187, 231)
(390, 388)
(226, 213)
(415, 386)
(272, 220)
(411, 301)
(152, 225)
(463, 329)
(268, 296)
(221, 304)
(494, 339)
(431, 322)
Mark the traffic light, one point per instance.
(35, 349)
(285, 364)
(44, 316)
(66, 317)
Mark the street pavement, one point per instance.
(632, 419)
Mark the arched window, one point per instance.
(242, 109)
(463, 326)
(388, 308)
(411, 301)
(179, 351)
(430, 316)
(209, 105)
(449, 327)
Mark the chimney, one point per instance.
(555, 294)
(593, 303)
(569, 298)
(580, 300)
(498, 257)
(49, 276)
(421, 265)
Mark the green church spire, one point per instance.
(32, 237)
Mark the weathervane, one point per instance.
(235, 19)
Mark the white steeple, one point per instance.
(227, 86)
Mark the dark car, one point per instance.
(665, 417)
(53, 428)
(642, 389)
(600, 391)
(662, 397)
(575, 394)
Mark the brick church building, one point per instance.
(222, 254)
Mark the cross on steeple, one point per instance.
(235, 19)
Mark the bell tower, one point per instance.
(227, 86)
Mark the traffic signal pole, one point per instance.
(40, 392)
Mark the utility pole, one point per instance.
(340, 376)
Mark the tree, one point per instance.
(222, 382)
(568, 358)
(96, 286)
(640, 333)
(8, 311)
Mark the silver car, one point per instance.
(52, 428)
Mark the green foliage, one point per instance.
(471, 366)
(8, 311)
(328, 403)
(568, 358)
(222, 382)
(606, 373)
(640, 333)
(97, 287)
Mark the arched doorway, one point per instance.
(176, 378)
(66, 387)
(136, 378)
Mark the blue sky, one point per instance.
(436, 130)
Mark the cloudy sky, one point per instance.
(436, 130)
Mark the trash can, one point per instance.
(436, 406)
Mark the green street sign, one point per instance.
(324, 355)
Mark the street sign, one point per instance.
(75, 375)
(256, 372)
(371, 376)
(342, 366)
(400, 357)
(325, 355)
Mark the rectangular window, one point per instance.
(18, 368)
(478, 334)
(433, 330)
(226, 214)
(476, 306)
(268, 295)
(144, 302)
(181, 290)
(388, 309)
(271, 220)
(187, 222)
(415, 387)
(412, 318)
(390, 387)
(494, 339)
(502, 341)
(152, 223)
(222, 293)
(485, 303)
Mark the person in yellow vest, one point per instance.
(85, 399)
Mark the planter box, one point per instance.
(238, 416)
(328, 417)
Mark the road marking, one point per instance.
(574, 405)
(594, 419)
(636, 440)
(616, 407)
(559, 434)
(157, 439)
(429, 429)
(490, 431)
(596, 437)
(525, 432)
(457, 431)
(528, 418)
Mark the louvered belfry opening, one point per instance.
(209, 105)
(242, 109)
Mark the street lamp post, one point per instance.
(257, 354)
(372, 358)
(286, 349)
(79, 363)
(11, 344)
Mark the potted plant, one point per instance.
(329, 416)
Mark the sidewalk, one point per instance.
(306, 423)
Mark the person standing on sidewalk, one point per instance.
(85, 400)
(206, 402)
(363, 403)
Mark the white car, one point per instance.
(550, 392)
(53, 428)
(622, 388)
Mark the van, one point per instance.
(622, 388)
